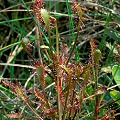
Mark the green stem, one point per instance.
(57, 40)
(57, 70)
(96, 97)
(74, 46)
(49, 36)
(72, 28)
(59, 101)
(95, 79)
(58, 80)
(67, 96)
(38, 32)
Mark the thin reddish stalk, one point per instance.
(40, 118)
(96, 108)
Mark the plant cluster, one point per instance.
(60, 86)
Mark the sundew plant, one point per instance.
(59, 60)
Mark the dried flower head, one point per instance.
(77, 9)
(37, 6)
